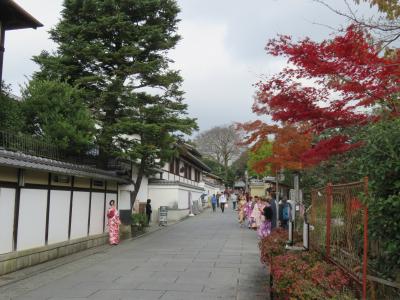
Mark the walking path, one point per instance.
(204, 257)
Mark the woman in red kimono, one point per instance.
(113, 224)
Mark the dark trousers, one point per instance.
(234, 204)
(222, 207)
(285, 224)
(148, 218)
(213, 206)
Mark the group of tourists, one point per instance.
(219, 200)
(262, 213)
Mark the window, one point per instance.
(185, 172)
(61, 178)
(98, 183)
(177, 163)
(197, 175)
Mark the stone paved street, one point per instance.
(205, 257)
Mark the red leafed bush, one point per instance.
(305, 275)
(273, 245)
(302, 275)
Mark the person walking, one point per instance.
(214, 202)
(265, 228)
(218, 195)
(249, 210)
(113, 224)
(284, 213)
(222, 201)
(148, 211)
(242, 210)
(233, 198)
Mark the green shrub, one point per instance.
(139, 220)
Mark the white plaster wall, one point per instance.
(183, 201)
(7, 203)
(124, 200)
(162, 196)
(32, 219)
(80, 215)
(143, 191)
(109, 197)
(124, 193)
(59, 216)
(96, 214)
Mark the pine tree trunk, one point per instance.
(138, 182)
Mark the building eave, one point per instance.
(160, 182)
(23, 161)
(13, 16)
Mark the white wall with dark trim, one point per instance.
(44, 214)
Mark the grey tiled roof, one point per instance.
(24, 161)
(153, 182)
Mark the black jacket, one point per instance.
(268, 213)
(148, 209)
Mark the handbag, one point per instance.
(226, 205)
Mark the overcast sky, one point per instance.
(220, 56)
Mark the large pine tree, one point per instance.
(116, 50)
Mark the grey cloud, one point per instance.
(221, 55)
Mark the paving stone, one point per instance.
(126, 295)
(206, 257)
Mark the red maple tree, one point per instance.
(328, 86)
(288, 145)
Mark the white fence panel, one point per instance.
(96, 214)
(32, 219)
(59, 216)
(7, 203)
(80, 214)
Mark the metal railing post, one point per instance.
(329, 198)
(365, 252)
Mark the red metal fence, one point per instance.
(339, 230)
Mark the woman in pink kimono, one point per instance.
(265, 228)
(242, 210)
(113, 224)
(257, 214)
(248, 209)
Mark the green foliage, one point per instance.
(239, 166)
(139, 220)
(261, 153)
(11, 118)
(55, 112)
(216, 168)
(384, 226)
(379, 159)
(117, 53)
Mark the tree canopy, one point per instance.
(348, 77)
(117, 53)
(221, 143)
(55, 111)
